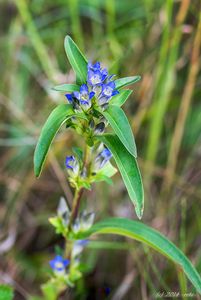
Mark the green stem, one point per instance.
(75, 207)
(79, 192)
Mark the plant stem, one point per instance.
(79, 192)
(75, 207)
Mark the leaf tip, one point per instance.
(36, 172)
(67, 37)
(139, 213)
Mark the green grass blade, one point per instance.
(76, 59)
(66, 88)
(122, 82)
(119, 123)
(129, 170)
(57, 117)
(121, 98)
(138, 231)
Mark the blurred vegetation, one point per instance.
(159, 40)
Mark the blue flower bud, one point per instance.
(86, 220)
(102, 158)
(78, 247)
(72, 165)
(62, 207)
(69, 98)
(63, 211)
(93, 67)
(99, 128)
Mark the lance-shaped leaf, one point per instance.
(57, 117)
(121, 82)
(119, 123)
(76, 59)
(129, 170)
(143, 233)
(66, 88)
(121, 98)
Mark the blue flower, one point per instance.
(99, 84)
(72, 165)
(69, 98)
(102, 158)
(94, 67)
(59, 264)
(106, 154)
(70, 162)
(108, 89)
(96, 75)
(84, 96)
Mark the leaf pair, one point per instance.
(114, 114)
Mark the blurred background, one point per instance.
(159, 40)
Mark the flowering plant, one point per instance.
(94, 103)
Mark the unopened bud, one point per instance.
(99, 128)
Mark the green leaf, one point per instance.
(78, 152)
(119, 83)
(6, 292)
(105, 173)
(121, 98)
(140, 232)
(76, 59)
(107, 170)
(119, 123)
(66, 88)
(57, 117)
(129, 170)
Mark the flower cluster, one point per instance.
(68, 268)
(83, 222)
(100, 86)
(61, 221)
(78, 173)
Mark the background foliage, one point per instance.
(158, 40)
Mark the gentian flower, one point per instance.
(84, 96)
(102, 158)
(69, 97)
(108, 91)
(72, 165)
(96, 75)
(94, 67)
(58, 264)
(99, 84)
